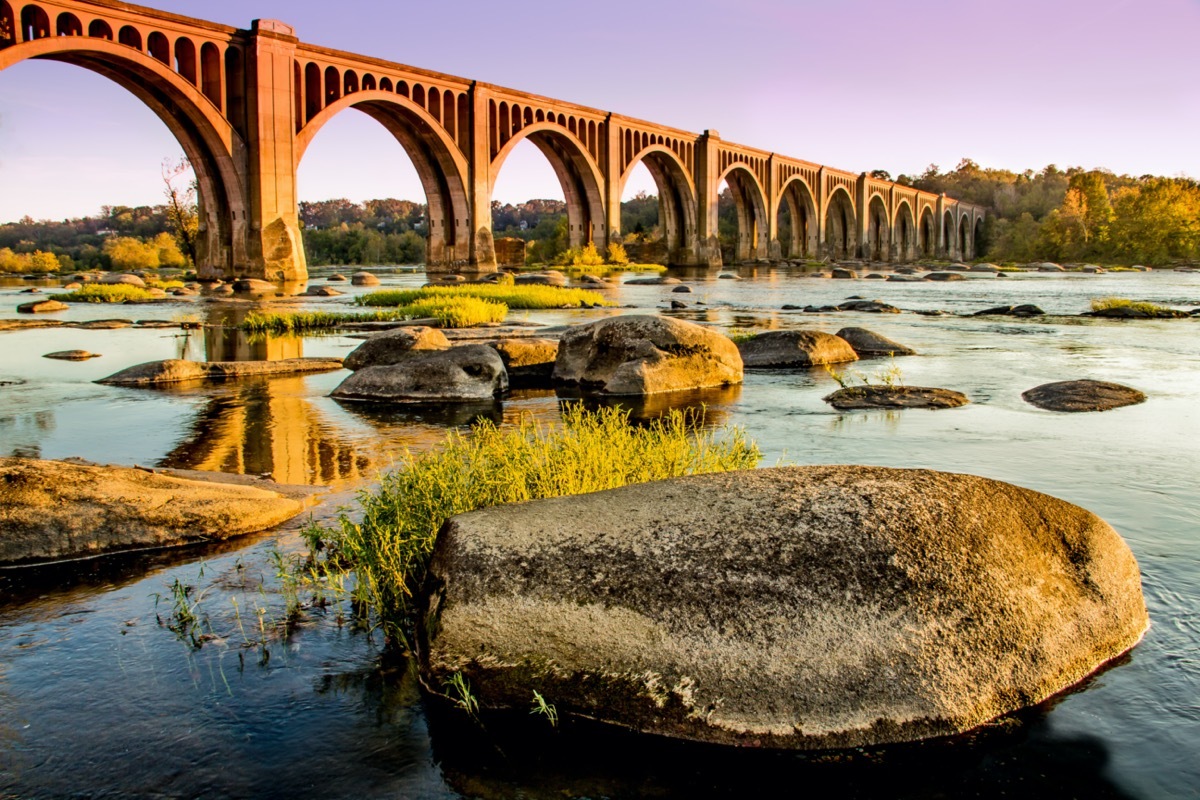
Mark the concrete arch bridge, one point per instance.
(245, 104)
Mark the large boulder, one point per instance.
(944, 276)
(798, 607)
(550, 277)
(469, 373)
(1083, 395)
(795, 349)
(363, 278)
(41, 307)
(641, 354)
(390, 347)
(53, 509)
(125, 279)
(868, 343)
(528, 361)
(176, 370)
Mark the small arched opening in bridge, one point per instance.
(130, 37)
(749, 240)
(949, 235)
(675, 241)
(99, 29)
(879, 230)
(196, 125)
(35, 23)
(440, 168)
(797, 221)
(8, 25)
(69, 25)
(841, 225)
(903, 233)
(966, 238)
(578, 175)
(928, 234)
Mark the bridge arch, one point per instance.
(949, 234)
(676, 199)
(977, 244)
(797, 198)
(904, 232)
(841, 225)
(879, 230)
(578, 174)
(751, 203)
(927, 234)
(217, 154)
(439, 165)
(966, 237)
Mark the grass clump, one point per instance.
(1108, 303)
(523, 297)
(452, 312)
(107, 293)
(590, 451)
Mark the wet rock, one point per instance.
(593, 280)
(174, 370)
(102, 324)
(868, 343)
(871, 396)
(944, 276)
(322, 291)
(661, 280)
(984, 268)
(71, 355)
(682, 290)
(363, 279)
(795, 349)
(70, 287)
(959, 267)
(868, 306)
(53, 510)
(798, 607)
(30, 291)
(678, 304)
(468, 373)
(641, 354)
(394, 345)
(906, 271)
(26, 324)
(1092, 269)
(222, 289)
(529, 362)
(253, 286)
(125, 279)
(904, 279)
(875, 276)
(336, 278)
(1084, 395)
(550, 277)
(821, 309)
(183, 291)
(1024, 310)
(1133, 312)
(843, 274)
(41, 307)
(729, 276)
(1048, 266)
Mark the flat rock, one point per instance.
(41, 307)
(469, 373)
(853, 397)
(944, 276)
(868, 307)
(71, 355)
(528, 361)
(547, 278)
(24, 324)
(174, 370)
(54, 510)
(1023, 310)
(868, 343)
(662, 280)
(322, 291)
(1127, 312)
(102, 324)
(796, 607)
(1084, 395)
(795, 349)
(392, 346)
(641, 354)
(253, 286)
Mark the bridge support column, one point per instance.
(708, 244)
(482, 250)
(943, 246)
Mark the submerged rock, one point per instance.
(175, 370)
(868, 306)
(795, 349)
(800, 607)
(944, 276)
(53, 509)
(390, 347)
(71, 355)
(1084, 395)
(868, 343)
(640, 354)
(468, 373)
(1024, 310)
(854, 397)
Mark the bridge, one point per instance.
(245, 104)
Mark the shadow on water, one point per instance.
(519, 755)
(714, 404)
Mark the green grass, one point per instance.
(523, 297)
(1106, 303)
(738, 335)
(107, 293)
(450, 312)
(590, 451)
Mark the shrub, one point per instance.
(589, 452)
(617, 254)
(107, 293)
(37, 261)
(512, 296)
(1107, 303)
(586, 256)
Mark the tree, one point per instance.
(182, 213)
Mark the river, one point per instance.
(98, 698)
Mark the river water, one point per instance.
(99, 698)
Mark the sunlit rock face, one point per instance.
(799, 607)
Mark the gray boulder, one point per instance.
(175, 370)
(868, 343)
(798, 607)
(550, 277)
(640, 354)
(1084, 395)
(469, 373)
(124, 278)
(843, 274)
(944, 276)
(795, 349)
(392, 346)
(872, 396)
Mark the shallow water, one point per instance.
(98, 699)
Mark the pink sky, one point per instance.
(853, 84)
